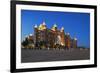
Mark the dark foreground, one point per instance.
(30, 55)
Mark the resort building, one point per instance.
(74, 43)
(52, 38)
(68, 40)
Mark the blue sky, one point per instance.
(77, 24)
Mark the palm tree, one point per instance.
(25, 43)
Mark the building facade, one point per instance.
(74, 43)
(52, 38)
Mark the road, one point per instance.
(31, 55)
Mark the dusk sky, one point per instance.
(77, 24)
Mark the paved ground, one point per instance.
(30, 55)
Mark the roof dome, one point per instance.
(44, 23)
(41, 27)
(54, 25)
(75, 38)
(30, 34)
(62, 28)
(35, 26)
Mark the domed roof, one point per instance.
(54, 25)
(35, 26)
(41, 27)
(62, 28)
(30, 35)
(44, 23)
(75, 38)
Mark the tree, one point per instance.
(25, 43)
